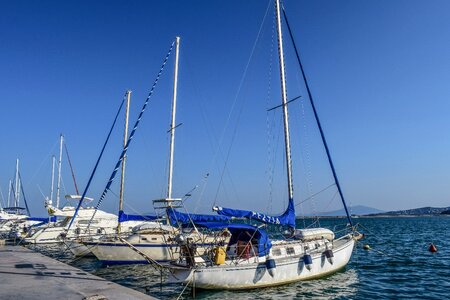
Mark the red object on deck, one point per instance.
(432, 248)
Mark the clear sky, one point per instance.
(379, 72)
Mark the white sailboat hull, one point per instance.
(138, 248)
(120, 253)
(255, 274)
(78, 249)
(47, 235)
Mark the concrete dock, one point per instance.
(25, 274)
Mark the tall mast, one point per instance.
(284, 103)
(17, 192)
(172, 126)
(9, 192)
(53, 180)
(125, 138)
(58, 188)
(2, 204)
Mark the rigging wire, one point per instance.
(130, 138)
(40, 190)
(307, 160)
(3, 199)
(241, 83)
(269, 124)
(71, 168)
(44, 160)
(331, 200)
(315, 194)
(317, 119)
(207, 123)
(23, 194)
(63, 186)
(200, 197)
(96, 165)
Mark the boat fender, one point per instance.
(180, 239)
(432, 248)
(271, 266)
(307, 260)
(329, 255)
(219, 255)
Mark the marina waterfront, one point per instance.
(398, 266)
(356, 91)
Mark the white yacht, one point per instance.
(253, 260)
(8, 221)
(102, 223)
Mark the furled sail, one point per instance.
(176, 217)
(44, 220)
(123, 217)
(287, 218)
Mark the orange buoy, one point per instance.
(432, 248)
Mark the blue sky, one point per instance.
(378, 71)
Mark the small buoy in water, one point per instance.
(432, 248)
(366, 247)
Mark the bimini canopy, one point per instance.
(243, 232)
(287, 218)
(123, 217)
(179, 218)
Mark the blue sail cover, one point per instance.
(43, 220)
(176, 217)
(243, 232)
(123, 217)
(287, 218)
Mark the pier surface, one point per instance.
(25, 274)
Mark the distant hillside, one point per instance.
(445, 212)
(354, 210)
(414, 212)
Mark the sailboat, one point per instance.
(14, 218)
(251, 259)
(125, 223)
(83, 225)
(152, 242)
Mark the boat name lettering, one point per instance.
(264, 218)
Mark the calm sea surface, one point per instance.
(399, 266)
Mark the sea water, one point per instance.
(398, 266)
